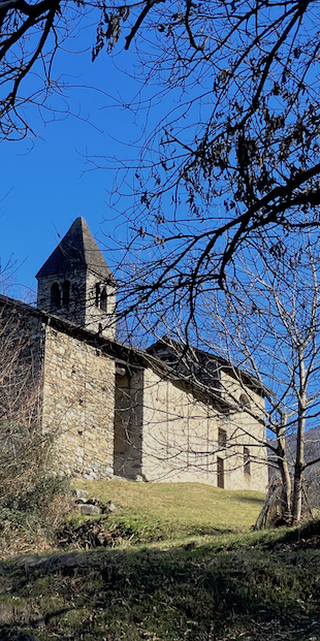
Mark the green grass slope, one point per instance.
(177, 510)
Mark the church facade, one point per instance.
(161, 414)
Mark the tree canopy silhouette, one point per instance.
(238, 152)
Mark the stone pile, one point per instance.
(91, 506)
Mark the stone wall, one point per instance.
(81, 309)
(179, 433)
(246, 436)
(75, 311)
(181, 438)
(78, 405)
(134, 423)
(21, 346)
(96, 319)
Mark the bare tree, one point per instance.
(238, 151)
(28, 483)
(20, 436)
(272, 323)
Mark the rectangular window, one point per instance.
(222, 438)
(104, 300)
(246, 461)
(97, 296)
(220, 472)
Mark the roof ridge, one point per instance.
(77, 249)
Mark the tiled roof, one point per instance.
(199, 365)
(77, 250)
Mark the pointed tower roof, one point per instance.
(77, 250)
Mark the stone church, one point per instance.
(163, 414)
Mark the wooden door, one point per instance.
(220, 472)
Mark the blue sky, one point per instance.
(46, 182)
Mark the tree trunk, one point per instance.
(284, 469)
(299, 460)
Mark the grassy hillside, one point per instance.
(177, 510)
(228, 584)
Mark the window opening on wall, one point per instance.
(55, 295)
(246, 461)
(97, 301)
(66, 293)
(244, 401)
(104, 299)
(101, 297)
(220, 472)
(222, 438)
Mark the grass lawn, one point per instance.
(177, 510)
(209, 579)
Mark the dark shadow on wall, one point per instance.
(128, 422)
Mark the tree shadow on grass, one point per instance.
(148, 593)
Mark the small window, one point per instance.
(220, 472)
(97, 299)
(66, 293)
(101, 297)
(222, 438)
(55, 295)
(246, 461)
(104, 299)
(244, 401)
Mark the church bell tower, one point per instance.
(76, 283)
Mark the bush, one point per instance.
(34, 501)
